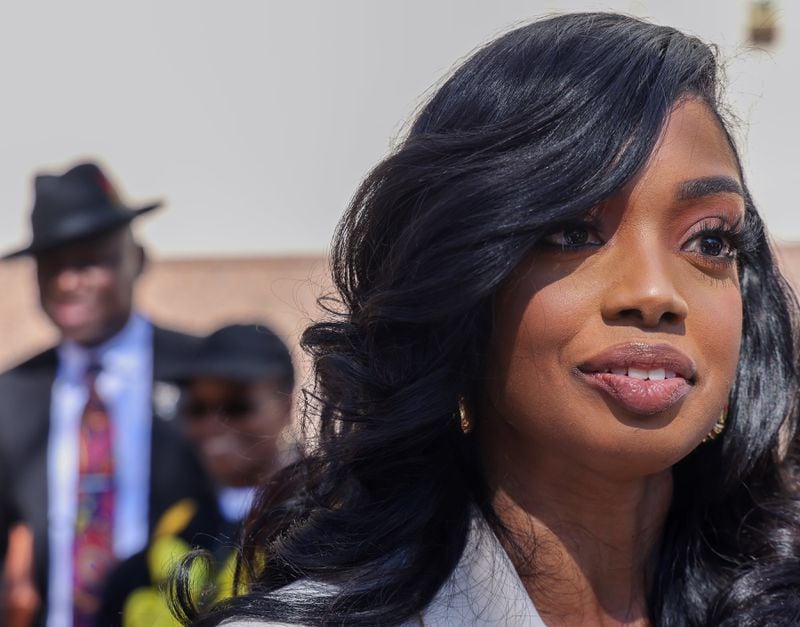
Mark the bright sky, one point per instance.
(256, 119)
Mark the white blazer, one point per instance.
(484, 589)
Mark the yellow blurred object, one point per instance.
(763, 22)
(225, 577)
(200, 580)
(176, 518)
(147, 607)
(164, 553)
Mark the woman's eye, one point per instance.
(711, 245)
(573, 237)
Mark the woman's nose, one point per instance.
(644, 292)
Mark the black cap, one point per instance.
(238, 352)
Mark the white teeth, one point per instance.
(656, 374)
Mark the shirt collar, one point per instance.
(121, 353)
(234, 503)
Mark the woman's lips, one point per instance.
(642, 378)
(640, 396)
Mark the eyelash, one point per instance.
(588, 226)
(733, 236)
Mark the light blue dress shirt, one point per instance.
(125, 385)
(234, 503)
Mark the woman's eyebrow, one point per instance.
(708, 185)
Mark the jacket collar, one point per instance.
(484, 588)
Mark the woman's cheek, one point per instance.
(715, 322)
(531, 371)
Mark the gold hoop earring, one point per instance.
(464, 419)
(718, 427)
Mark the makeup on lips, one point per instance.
(641, 378)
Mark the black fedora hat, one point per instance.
(77, 204)
(237, 352)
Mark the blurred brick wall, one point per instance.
(196, 295)
(789, 259)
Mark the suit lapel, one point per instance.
(171, 476)
(174, 470)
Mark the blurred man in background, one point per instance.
(237, 401)
(235, 407)
(89, 458)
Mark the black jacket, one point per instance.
(25, 393)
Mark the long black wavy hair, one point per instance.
(527, 135)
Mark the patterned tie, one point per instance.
(92, 552)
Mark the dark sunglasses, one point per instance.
(234, 409)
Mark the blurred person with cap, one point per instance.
(238, 400)
(236, 404)
(90, 459)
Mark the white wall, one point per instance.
(255, 119)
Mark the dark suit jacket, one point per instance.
(25, 392)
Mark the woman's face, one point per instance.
(616, 341)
